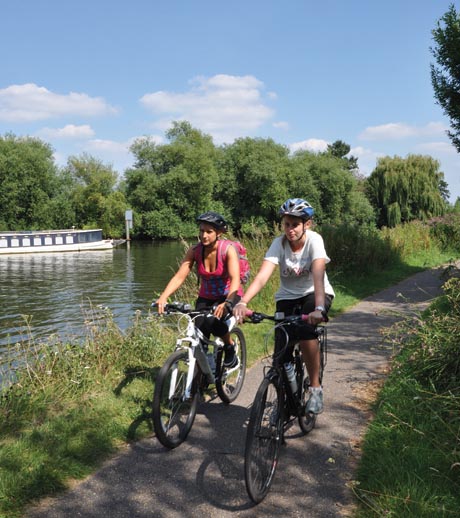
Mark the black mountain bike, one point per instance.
(277, 403)
(196, 363)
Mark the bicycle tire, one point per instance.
(229, 382)
(263, 439)
(173, 415)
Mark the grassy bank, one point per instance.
(411, 452)
(75, 404)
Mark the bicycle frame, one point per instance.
(193, 341)
(276, 370)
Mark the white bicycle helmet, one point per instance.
(297, 207)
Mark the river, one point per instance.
(45, 294)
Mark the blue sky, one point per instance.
(92, 76)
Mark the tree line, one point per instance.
(170, 184)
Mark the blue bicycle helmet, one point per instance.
(297, 207)
(214, 219)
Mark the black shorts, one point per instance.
(300, 330)
(209, 324)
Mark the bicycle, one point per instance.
(196, 363)
(277, 403)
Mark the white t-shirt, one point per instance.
(295, 275)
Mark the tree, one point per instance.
(445, 77)
(28, 183)
(402, 190)
(340, 149)
(93, 194)
(170, 184)
(331, 187)
(254, 181)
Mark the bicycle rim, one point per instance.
(173, 412)
(230, 381)
(263, 440)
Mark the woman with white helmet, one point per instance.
(304, 285)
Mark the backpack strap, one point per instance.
(223, 248)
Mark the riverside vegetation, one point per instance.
(72, 405)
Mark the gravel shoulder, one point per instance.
(204, 477)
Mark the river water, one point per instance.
(45, 294)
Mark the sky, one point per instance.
(93, 76)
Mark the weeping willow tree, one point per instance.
(404, 189)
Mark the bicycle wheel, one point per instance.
(263, 439)
(173, 412)
(230, 381)
(307, 420)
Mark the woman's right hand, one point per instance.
(239, 311)
(161, 303)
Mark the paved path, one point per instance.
(204, 477)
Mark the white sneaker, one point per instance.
(315, 402)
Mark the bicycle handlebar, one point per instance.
(174, 307)
(182, 307)
(256, 317)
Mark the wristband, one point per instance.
(319, 308)
(228, 301)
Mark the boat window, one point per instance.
(69, 239)
(37, 241)
(25, 241)
(90, 236)
(48, 240)
(14, 241)
(59, 240)
(3, 243)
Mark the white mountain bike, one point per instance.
(196, 363)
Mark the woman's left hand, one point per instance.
(219, 311)
(315, 317)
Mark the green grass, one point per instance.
(411, 457)
(76, 404)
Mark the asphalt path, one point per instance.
(204, 477)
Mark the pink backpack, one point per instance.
(245, 269)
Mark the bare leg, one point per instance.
(311, 357)
(227, 339)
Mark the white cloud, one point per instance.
(116, 153)
(367, 158)
(400, 130)
(224, 106)
(443, 148)
(281, 125)
(70, 131)
(29, 102)
(312, 144)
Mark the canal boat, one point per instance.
(71, 240)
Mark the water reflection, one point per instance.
(54, 291)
